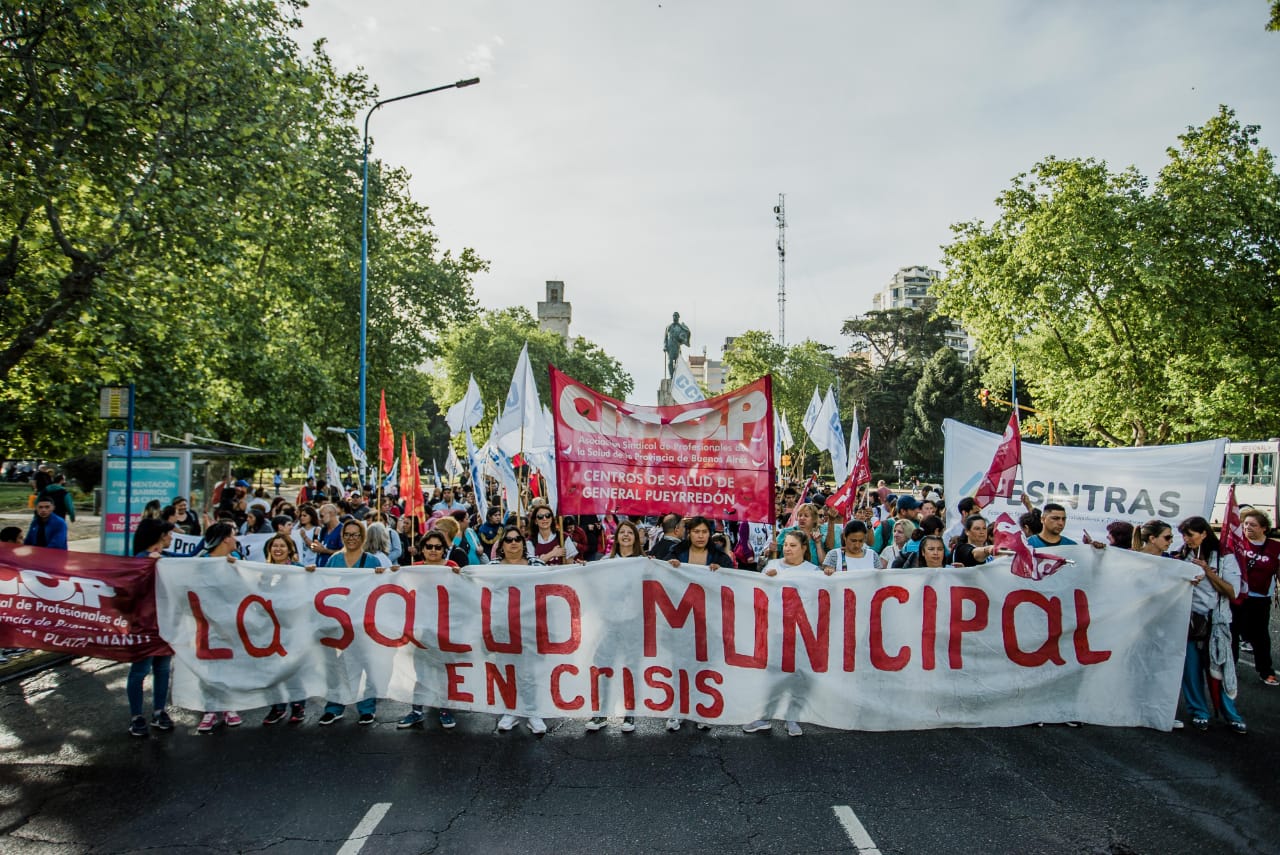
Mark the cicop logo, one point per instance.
(73, 590)
(584, 412)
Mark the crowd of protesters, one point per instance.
(364, 529)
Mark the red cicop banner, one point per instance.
(712, 457)
(78, 602)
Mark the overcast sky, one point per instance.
(635, 150)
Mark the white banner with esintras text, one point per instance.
(1101, 641)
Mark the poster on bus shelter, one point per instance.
(712, 458)
(157, 477)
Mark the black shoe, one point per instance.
(366, 718)
(138, 726)
(329, 718)
(160, 720)
(274, 715)
(297, 713)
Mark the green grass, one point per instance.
(13, 498)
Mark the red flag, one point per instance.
(419, 509)
(1233, 541)
(386, 440)
(1004, 466)
(859, 474)
(791, 523)
(1027, 563)
(406, 477)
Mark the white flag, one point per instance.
(788, 441)
(468, 412)
(811, 414)
(435, 472)
(452, 466)
(520, 426)
(357, 453)
(820, 428)
(855, 436)
(684, 386)
(308, 441)
(835, 438)
(477, 480)
(311, 468)
(331, 471)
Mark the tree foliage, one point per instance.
(182, 210)
(940, 393)
(1137, 313)
(488, 347)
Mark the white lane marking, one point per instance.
(857, 834)
(365, 827)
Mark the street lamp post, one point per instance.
(364, 239)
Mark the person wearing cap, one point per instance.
(151, 539)
(219, 542)
(907, 509)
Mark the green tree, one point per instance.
(1136, 314)
(940, 393)
(488, 348)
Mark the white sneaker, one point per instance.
(757, 726)
(628, 724)
(673, 724)
(507, 722)
(1179, 724)
(702, 726)
(793, 729)
(537, 725)
(597, 723)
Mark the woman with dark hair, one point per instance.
(150, 540)
(512, 554)
(545, 542)
(255, 522)
(697, 547)
(853, 554)
(219, 542)
(435, 547)
(929, 527)
(1154, 538)
(1120, 534)
(974, 549)
(932, 552)
(307, 530)
(1209, 663)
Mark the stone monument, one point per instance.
(676, 335)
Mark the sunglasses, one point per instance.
(543, 517)
(512, 539)
(433, 547)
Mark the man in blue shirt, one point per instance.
(47, 528)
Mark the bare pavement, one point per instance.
(73, 781)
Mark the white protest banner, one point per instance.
(1100, 641)
(1095, 485)
(250, 546)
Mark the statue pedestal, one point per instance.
(664, 394)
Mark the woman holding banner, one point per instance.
(794, 546)
(1153, 537)
(974, 550)
(281, 549)
(853, 554)
(698, 549)
(150, 540)
(435, 547)
(627, 542)
(1209, 663)
(512, 546)
(219, 542)
(352, 556)
(547, 544)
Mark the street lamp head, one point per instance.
(469, 82)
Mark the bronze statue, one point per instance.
(677, 334)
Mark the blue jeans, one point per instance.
(1195, 694)
(159, 667)
(368, 705)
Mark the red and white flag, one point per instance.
(859, 474)
(308, 441)
(1027, 563)
(1233, 541)
(1003, 471)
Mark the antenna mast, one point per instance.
(780, 210)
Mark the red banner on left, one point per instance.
(79, 602)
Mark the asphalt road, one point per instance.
(73, 781)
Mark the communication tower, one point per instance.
(780, 211)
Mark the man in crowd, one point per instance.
(330, 539)
(447, 503)
(58, 493)
(47, 528)
(672, 532)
